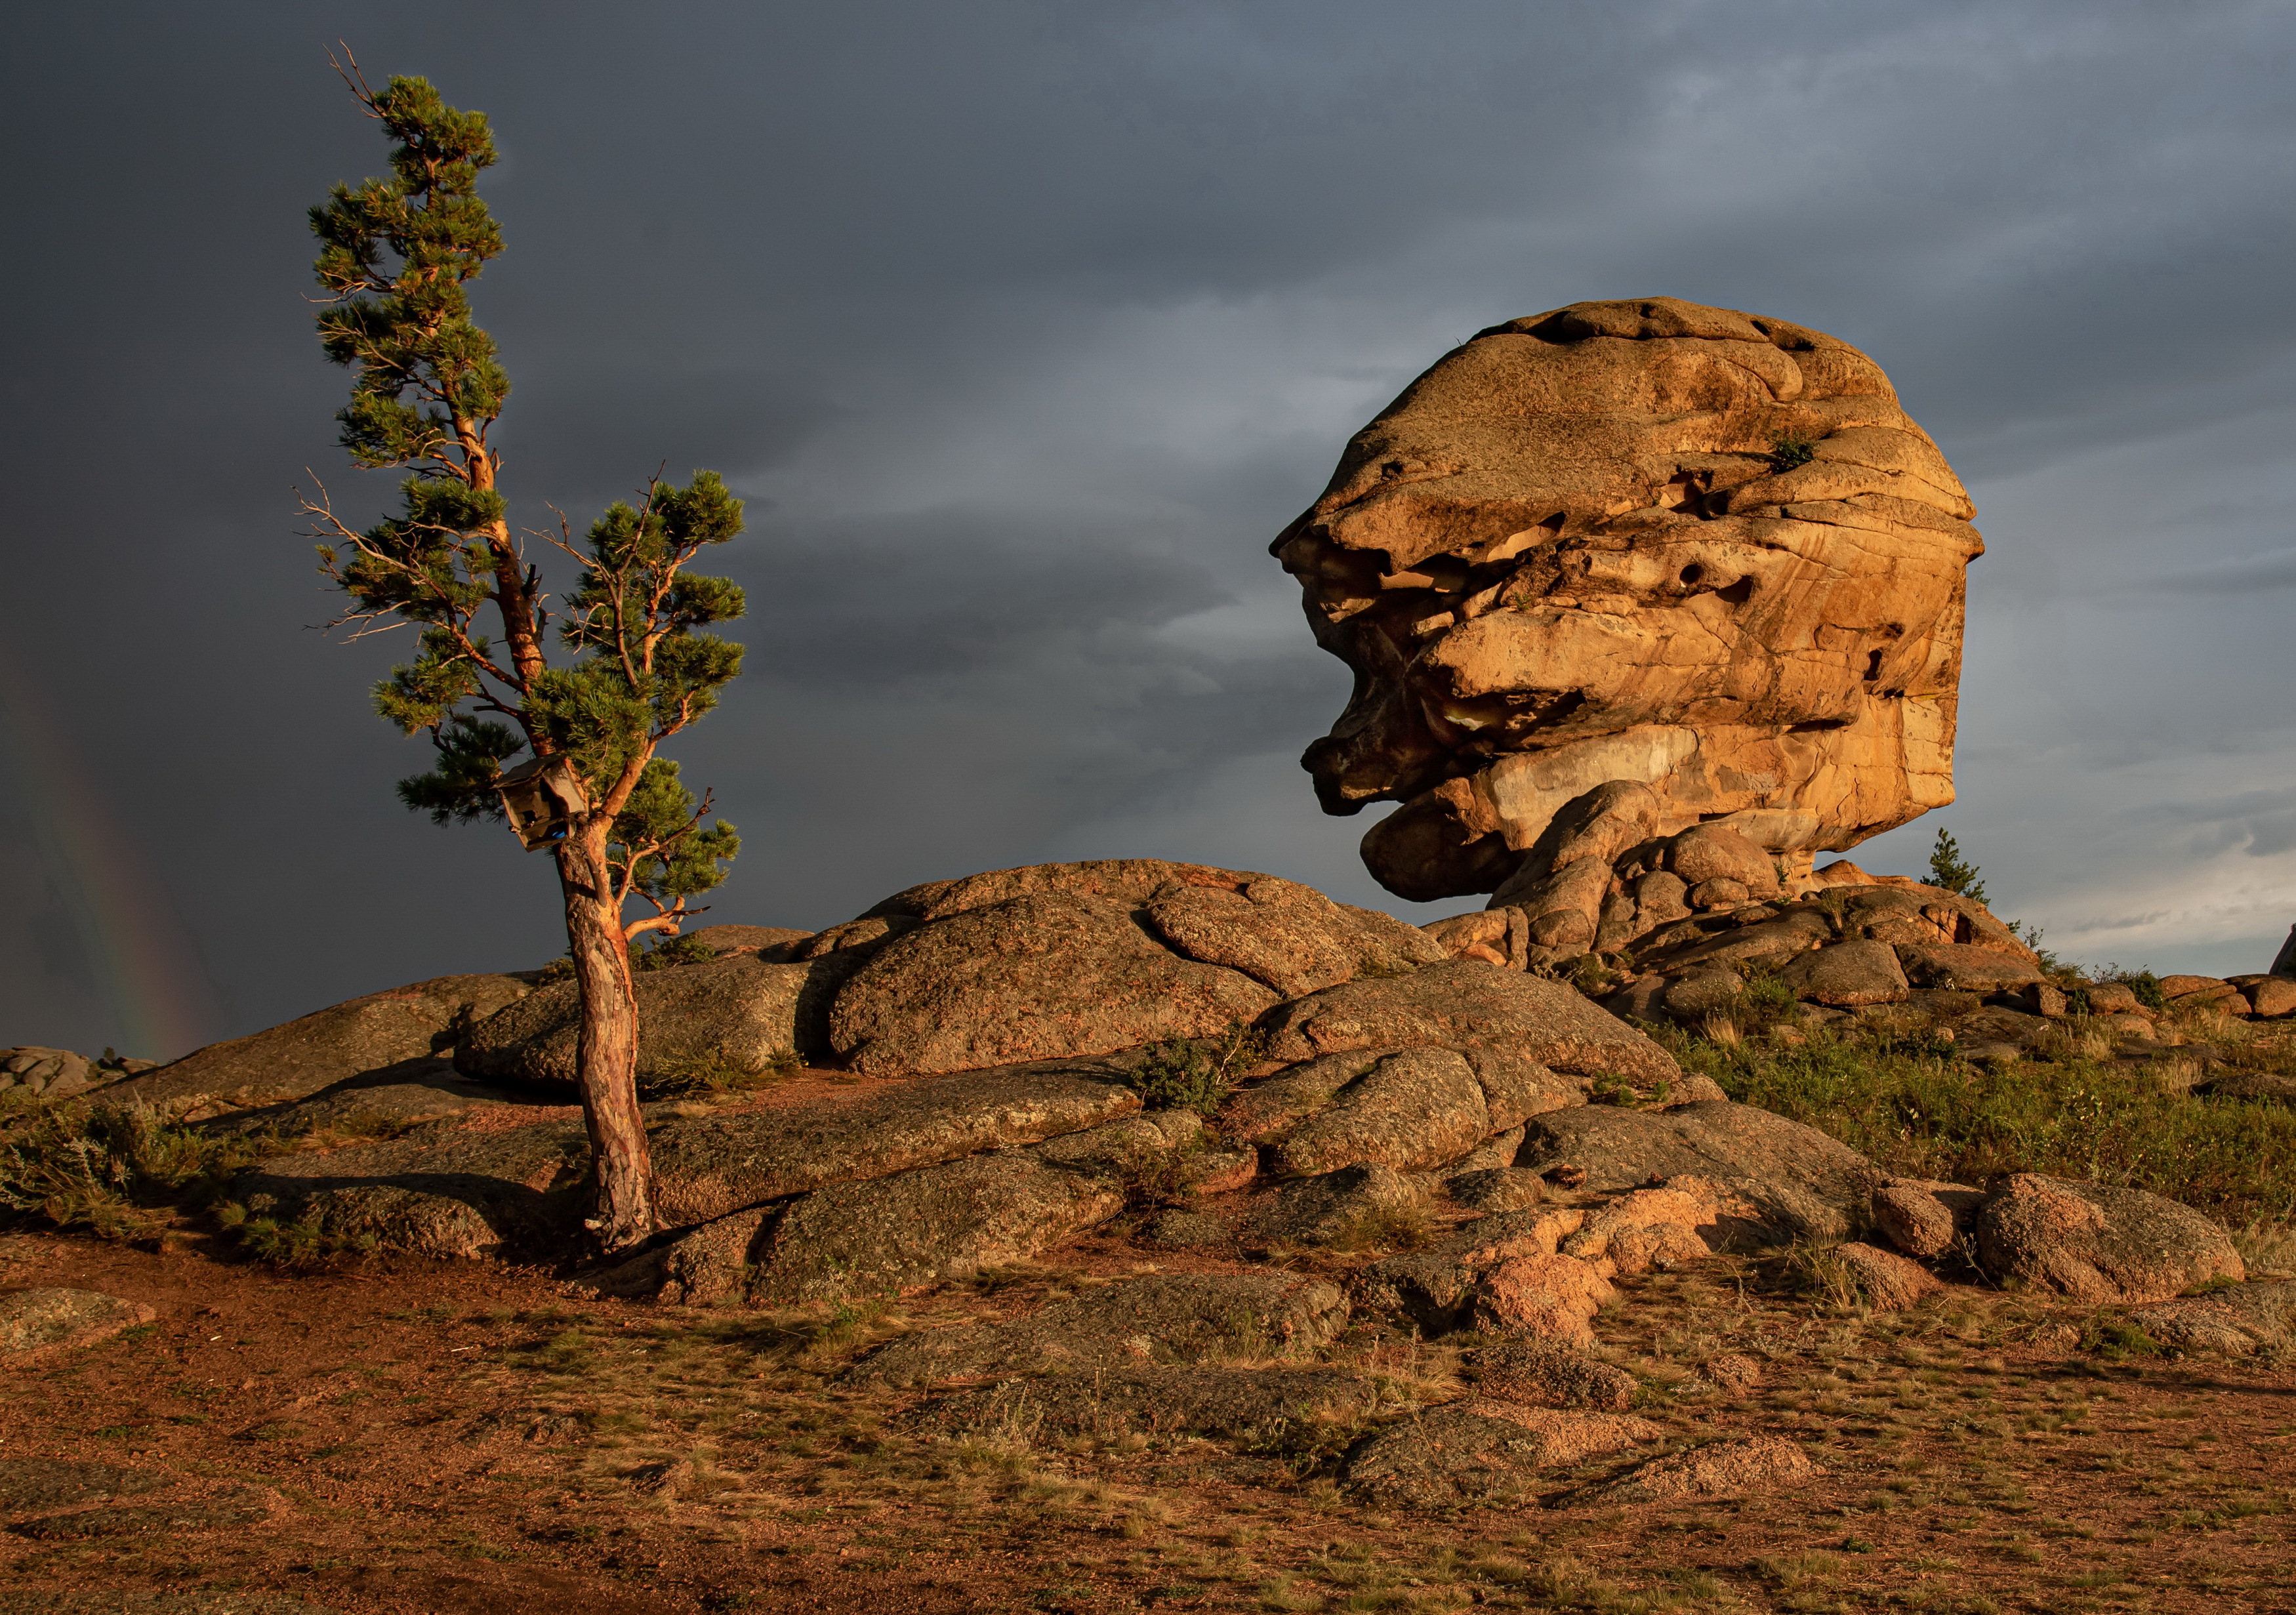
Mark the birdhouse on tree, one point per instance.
(542, 798)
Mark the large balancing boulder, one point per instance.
(407, 1027)
(1643, 540)
(2096, 1244)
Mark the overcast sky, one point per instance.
(1023, 327)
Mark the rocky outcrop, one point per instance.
(1250, 1403)
(737, 1010)
(1696, 550)
(2238, 1322)
(1540, 1374)
(405, 1028)
(1467, 1004)
(2096, 1244)
(1783, 1180)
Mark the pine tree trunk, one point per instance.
(621, 1168)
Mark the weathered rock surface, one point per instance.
(1848, 975)
(1796, 1180)
(1163, 1319)
(1337, 1208)
(1466, 1002)
(1965, 968)
(1540, 1374)
(1574, 551)
(2096, 1244)
(1888, 1281)
(739, 1010)
(1434, 1288)
(381, 1103)
(61, 1073)
(31, 1320)
(1724, 1469)
(1232, 1401)
(744, 938)
(1415, 1109)
(885, 1235)
(2269, 998)
(707, 1166)
(1542, 1298)
(1479, 1452)
(1923, 1219)
(405, 1027)
(1031, 978)
(2237, 1321)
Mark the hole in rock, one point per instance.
(1738, 592)
(1693, 573)
(1872, 666)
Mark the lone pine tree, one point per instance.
(397, 254)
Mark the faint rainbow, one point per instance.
(128, 933)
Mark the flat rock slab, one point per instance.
(1479, 1453)
(738, 1009)
(890, 1234)
(442, 1189)
(1794, 1179)
(1726, 1468)
(2238, 1321)
(710, 1165)
(378, 1103)
(1047, 976)
(1469, 1003)
(1337, 1208)
(28, 1485)
(2097, 1244)
(1539, 1374)
(1229, 1402)
(34, 1320)
(1164, 1319)
(405, 1027)
(1966, 967)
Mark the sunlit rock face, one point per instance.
(1649, 541)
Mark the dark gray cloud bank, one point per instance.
(1023, 327)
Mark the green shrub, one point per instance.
(1790, 450)
(674, 951)
(110, 1167)
(306, 1242)
(1914, 1109)
(2116, 1339)
(1196, 1073)
(717, 1072)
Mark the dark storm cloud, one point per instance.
(1023, 325)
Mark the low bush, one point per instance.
(1196, 1073)
(115, 1168)
(717, 1072)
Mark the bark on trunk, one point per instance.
(621, 1168)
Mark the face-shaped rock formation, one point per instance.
(1642, 541)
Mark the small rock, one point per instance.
(1726, 1468)
(2269, 998)
(1734, 1371)
(1890, 1283)
(1479, 1452)
(1721, 892)
(1497, 1189)
(1919, 1218)
(1337, 1208)
(2237, 1322)
(2248, 1085)
(1189, 1231)
(1105, 1403)
(1411, 1110)
(1539, 1374)
(31, 1320)
(1847, 975)
(2097, 1244)
(1549, 1298)
(1965, 967)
